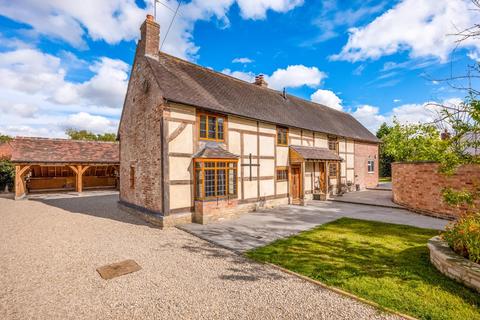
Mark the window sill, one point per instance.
(217, 199)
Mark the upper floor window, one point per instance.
(371, 166)
(282, 136)
(333, 144)
(212, 127)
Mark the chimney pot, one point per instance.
(260, 81)
(150, 17)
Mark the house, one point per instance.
(46, 165)
(199, 145)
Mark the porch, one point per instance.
(314, 174)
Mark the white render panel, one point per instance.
(179, 168)
(180, 196)
(282, 156)
(267, 146)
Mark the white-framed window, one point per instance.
(371, 166)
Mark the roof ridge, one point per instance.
(61, 139)
(245, 82)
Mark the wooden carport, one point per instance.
(63, 165)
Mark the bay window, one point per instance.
(215, 178)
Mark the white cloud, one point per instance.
(369, 116)
(86, 121)
(257, 9)
(245, 76)
(427, 112)
(116, 20)
(291, 77)
(295, 76)
(327, 98)
(108, 20)
(422, 27)
(37, 99)
(242, 60)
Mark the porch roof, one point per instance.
(314, 153)
(214, 152)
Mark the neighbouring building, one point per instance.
(199, 145)
(46, 165)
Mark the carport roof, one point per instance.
(45, 150)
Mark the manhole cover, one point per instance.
(118, 269)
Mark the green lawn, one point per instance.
(384, 263)
(385, 179)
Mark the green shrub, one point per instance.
(7, 174)
(463, 236)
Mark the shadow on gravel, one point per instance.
(97, 206)
(247, 269)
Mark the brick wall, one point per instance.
(363, 153)
(419, 186)
(140, 140)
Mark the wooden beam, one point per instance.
(20, 189)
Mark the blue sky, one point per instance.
(66, 64)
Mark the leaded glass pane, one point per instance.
(221, 182)
(232, 182)
(212, 127)
(203, 126)
(220, 129)
(209, 183)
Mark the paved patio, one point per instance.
(50, 248)
(374, 197)
(259, 228)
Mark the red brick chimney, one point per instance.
(149, 43)
(260, 81)
(445, 135)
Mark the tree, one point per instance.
(415, 142)
(4, 138)
(90, 136)
(385, 163)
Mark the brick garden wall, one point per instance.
(418, 186)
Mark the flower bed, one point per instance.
(464, 236)
(453, 265)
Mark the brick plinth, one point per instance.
(418, 186)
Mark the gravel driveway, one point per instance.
(49, 252)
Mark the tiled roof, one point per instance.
(187, 83)
(45, 150)
(214, 152)
(313, 153)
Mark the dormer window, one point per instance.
(212, 127)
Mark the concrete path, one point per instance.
(372, 197)
(49, 250)
(260, 228)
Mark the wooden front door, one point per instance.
(323, 178)
(296, 180)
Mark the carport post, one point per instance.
(20, 191)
